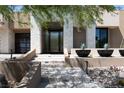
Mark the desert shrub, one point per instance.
(121, 82)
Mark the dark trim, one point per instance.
(49, 41)
(59, 41)
(55, 30)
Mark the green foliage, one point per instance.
(83, 46)
(82, 15)
(121, 82)
(106, 46)
(7, 12)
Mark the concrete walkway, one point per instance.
(49, 57)
(7, 56)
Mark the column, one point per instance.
(68, 34)
(35, 35)
(90, 36)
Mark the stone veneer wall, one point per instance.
(32, 78)
(21, 74)
(14, 71)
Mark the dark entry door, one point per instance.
(53, 42)
(22, 42)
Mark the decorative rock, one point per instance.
(121, 75)
(90, 85)
(70, 84)
(106, 77)
(50, 86)
(76, 77)
(65, 78)
(60, 84)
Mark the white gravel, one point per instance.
(61, 77)
(67, 77)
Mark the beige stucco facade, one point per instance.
(114, 22)
(22, 21)
(6, 37)
(78, 37)
(8, 30)
(71, 37)
(115, 37)
(110, 19)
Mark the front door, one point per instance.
(53, 42)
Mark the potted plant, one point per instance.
(105, 52)
(83, 52)
(121, 51)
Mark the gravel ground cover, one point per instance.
(61, 77)
(106, 77)
(67, 77)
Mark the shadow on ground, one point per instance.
(44, 82)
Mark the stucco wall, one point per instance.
(78, 37)
(22, 21)
(4, 43)
(121, 22)
(6, 38)
(115, 38)
(109, 19)
(71, 39)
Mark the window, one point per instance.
(22, 42)
(101, 37)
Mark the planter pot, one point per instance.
(83, 53)
(105, 53)
(121, 52)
